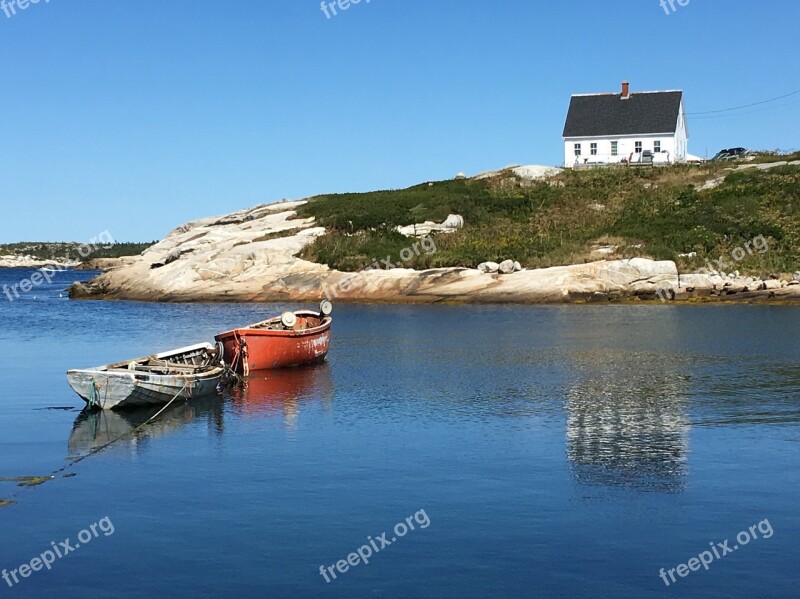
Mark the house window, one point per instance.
(656, 146)
(615, 148)
(577, 149)
(638, 147)
(593, 149)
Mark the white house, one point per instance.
(620, 128)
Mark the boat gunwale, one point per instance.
(207, 372)
(261, 332)
(121, 367)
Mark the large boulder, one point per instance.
(506, 267)
(451, 224)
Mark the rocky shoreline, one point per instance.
(250, 256)
(106, 264)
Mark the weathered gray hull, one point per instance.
(155, 380)
(110, 389)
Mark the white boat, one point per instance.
(183, 373)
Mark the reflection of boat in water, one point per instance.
(282, 391)
(626, 424)
(93, 430)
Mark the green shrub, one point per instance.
(653, 212)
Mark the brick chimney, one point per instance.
(626, 90)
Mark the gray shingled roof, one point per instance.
(609, 114)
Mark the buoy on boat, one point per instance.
(288, 319)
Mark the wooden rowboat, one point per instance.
(292, 339)
(181, 373)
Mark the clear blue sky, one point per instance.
(136, 116)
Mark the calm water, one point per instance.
(556, 452)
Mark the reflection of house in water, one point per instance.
(626, 424)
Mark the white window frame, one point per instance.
(593, 148)
(657, 146)
(577, 149)
(615, 148)
(638, 147)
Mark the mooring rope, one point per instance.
(93, 394)
(97, 450)
(229, 377)
(240, 354)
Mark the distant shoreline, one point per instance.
(752, 300)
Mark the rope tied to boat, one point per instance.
(240, 355)
(93, 394)
(122, 436)
(187, 385)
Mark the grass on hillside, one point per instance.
(649, 212)
(774, 156)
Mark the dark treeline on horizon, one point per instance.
(52, 250)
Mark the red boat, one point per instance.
(292, 339)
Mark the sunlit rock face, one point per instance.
(251, 255)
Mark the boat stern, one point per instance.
(99, 389)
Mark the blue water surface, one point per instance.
(568, 451)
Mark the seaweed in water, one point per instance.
(28, 481)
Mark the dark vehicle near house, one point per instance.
(730, 154)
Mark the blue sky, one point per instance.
(134, 117)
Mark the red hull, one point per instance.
(259, 348)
